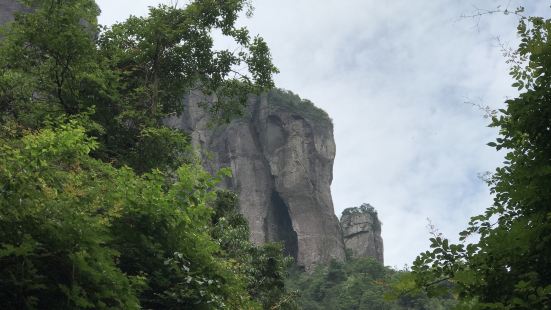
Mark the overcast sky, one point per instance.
(394, 76)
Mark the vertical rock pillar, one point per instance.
(361, 231)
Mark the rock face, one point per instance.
(8, 8)
(361, 230)
(281, 154)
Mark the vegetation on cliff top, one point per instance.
(290, 101)
(364, 208)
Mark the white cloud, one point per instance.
(394, 77)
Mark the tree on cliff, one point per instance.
(101, 206)
(135, 74)
(510, 266)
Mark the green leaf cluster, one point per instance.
(80, 233)
(128, 78)
(101, 205)
(361, 283)
(364, 208)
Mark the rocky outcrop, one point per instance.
(281, 154)
(361, 231)
(8, 8)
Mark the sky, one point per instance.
(401, 80)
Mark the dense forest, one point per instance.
(104, 207)
(359, 284)
(101, 205)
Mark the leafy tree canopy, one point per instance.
(79, 233)
(129, 77)
(101, 205)
(361, 283)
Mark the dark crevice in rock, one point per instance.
(356, 234)
(280, 218)
(281, 153)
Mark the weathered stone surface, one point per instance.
(8, 8)
(281, 154)
(361, 230)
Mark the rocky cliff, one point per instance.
(281, 154)
(361, 231)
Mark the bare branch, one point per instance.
(487, 110)
(479, 12)
(433, 230)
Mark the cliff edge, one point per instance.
(281, 154)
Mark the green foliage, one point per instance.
(53, 225)
(509, 267)
(364, 208)
(287, 100)
(101, 205)
(57, 61)
(49, 59)
(264, 267)
(155, 61)
(78, 233)
(360, 283)
(162, 148)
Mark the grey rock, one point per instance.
(281, 154)
(8, 8)
(361, 230)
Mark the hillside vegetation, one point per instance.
(289, 101)
(358, 284)
(104, 207)
(101, 206)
